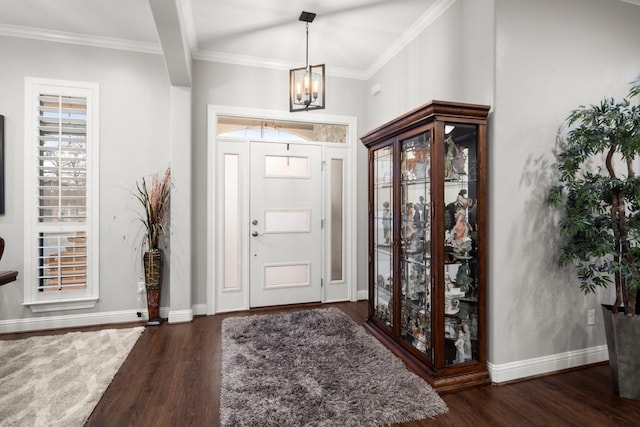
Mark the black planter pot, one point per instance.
(623, 342)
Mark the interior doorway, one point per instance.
(280, 209)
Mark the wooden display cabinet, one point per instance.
(427, 241)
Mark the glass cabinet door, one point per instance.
(415, 232)
(460, 243)
(383, 235)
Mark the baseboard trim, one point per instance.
(180, 316)
(363, 295)
(547, 364)
(71, 321)
(199, 309)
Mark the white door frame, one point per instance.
(350, 177)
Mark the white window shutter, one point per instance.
(63, 191)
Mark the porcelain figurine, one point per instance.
(467, 342)
(459, 347)
(460, 240)
(463, 277)
(386, 221)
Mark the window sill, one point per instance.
(61, 304)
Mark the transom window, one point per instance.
(282, 130)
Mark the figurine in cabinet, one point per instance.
(462, 201)
(451, 296)
(419, 332)
(449, 328)
(404, 321)
(420, 223)
(451, 302)
(416, 165)
(463, 277)
(467, 342)
(381, 312)
(448, 283)
(460, 240)
(459, 347)
(409, 229)
(384, 313)
(421, 166)
(420, 213)
(455, 161)
(386, 221)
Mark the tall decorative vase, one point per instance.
(152, 262)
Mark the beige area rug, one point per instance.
(56, 380)
(315, 368)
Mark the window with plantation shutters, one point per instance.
(62, 170)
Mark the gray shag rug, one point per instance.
(315, 368)
(57, 380)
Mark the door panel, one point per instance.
(285, 212)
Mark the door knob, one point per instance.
(254, 234)
(254, 222)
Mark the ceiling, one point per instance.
(353, 37)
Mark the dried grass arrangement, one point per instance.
(155, 200)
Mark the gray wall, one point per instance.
(451, 60)
(552, 56)
(134, 142)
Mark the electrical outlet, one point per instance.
(591, 317)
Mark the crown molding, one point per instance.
(636, 2)
(253, 61)
(434, 12)
(79, 39)
(237, 59)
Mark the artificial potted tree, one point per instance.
(599, 196)
(155, 201)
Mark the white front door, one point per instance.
(285, 215)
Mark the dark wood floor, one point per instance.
(172, 378)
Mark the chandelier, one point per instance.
(306, 85)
